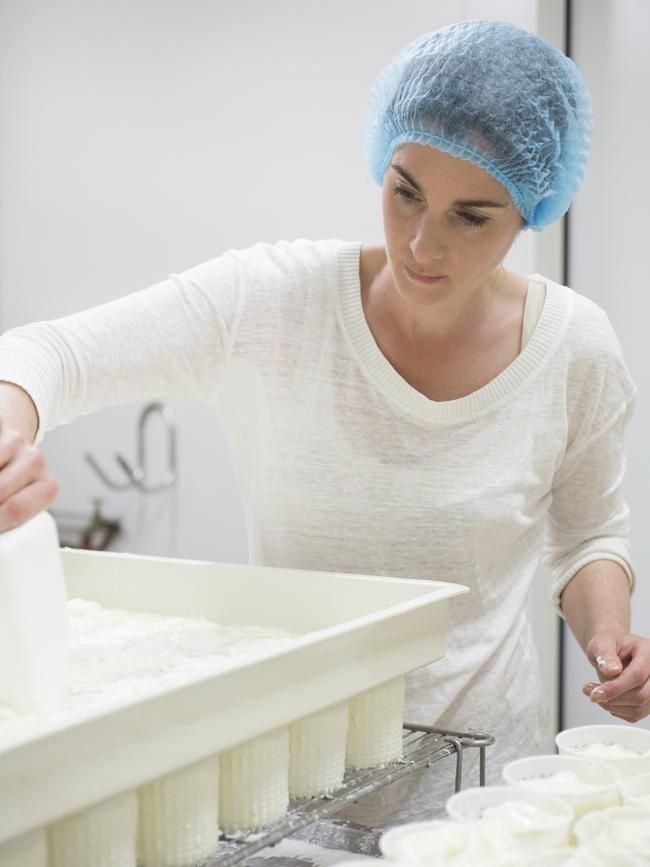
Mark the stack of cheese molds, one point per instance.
(155, 781)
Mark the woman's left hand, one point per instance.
(622, 662)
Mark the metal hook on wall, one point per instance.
(137, 474)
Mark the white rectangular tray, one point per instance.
(363, 631)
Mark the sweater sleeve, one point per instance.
(168, 340)
(588, 517)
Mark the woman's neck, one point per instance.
(453, 318)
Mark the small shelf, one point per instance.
(423, 745)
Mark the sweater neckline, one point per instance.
(545, 338)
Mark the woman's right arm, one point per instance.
(168, 340)
(175, 339)
(26, 484)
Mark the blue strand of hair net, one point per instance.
(493, 94)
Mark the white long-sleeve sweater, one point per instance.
(344, 466)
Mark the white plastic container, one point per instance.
(30, 850)
(56, 769)
(569, 856)
(616, 830)
(33, 617)
(602, 740)
(596, 783)
(635, 791)
(440, 842)
(535, 820)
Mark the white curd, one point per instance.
(116, 655)
(517, 816)
(572, 857)
(624, 832)
(566, 782)
(618, 829)
(609, 751)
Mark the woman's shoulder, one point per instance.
(280, 255)
(270, 273)
(589, 326)
(594, 358)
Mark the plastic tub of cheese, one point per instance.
(446, 842)
(623, 747)
(616, 830)
(534, 819)
(569, 856)
(635, 791)
(354, 633)
(583, 783)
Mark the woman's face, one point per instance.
(445, 217)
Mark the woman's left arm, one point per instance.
(596, 605)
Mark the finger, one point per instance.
(626, 712)
(25, 468)
(633, 697)
(627, 649)
(27, 503)
(632, 677)
(602, 653)
(623, 716)
(10, 443)
(637, 696)
(608, 665)
(632, 706)
(623, 707)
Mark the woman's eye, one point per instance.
(404, 193)
(472, 219)
(466, 217)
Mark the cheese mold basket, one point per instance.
(357, 632)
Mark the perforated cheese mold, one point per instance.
(29, 850)
(317, 752)
(375, 726)
(254, 783)
(178, 816)
(100, 836)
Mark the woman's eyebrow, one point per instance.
(466, 203)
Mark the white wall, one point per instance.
(608, 255)
(140, 138)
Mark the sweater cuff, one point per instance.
(562, 580)
(21, 370)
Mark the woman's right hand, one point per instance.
(26, 484)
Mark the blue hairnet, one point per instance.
(496, 95)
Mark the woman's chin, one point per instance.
(423, 295)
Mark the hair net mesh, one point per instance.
(496, 95)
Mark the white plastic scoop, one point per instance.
(33, 617)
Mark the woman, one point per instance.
(413, 409)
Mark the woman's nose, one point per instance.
(428, 243)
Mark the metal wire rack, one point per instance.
(423, 745)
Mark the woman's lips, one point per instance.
(422, 278)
